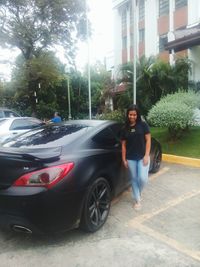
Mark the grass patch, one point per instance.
(187, 146)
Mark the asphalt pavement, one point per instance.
(166, 232)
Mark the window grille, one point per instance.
(123, 18)
(180, 3)
(163, 7)
(131, 16)
(141, 35)
(124, 42)
(141, 10)
(162, 41)
(131, 39)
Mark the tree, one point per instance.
(6, 95)
(155, 79)
(46, 75)
(101, 85)
(79, 94)
(33, 26)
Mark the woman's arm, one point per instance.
(124, 154)
(147, 149)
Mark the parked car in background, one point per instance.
(7, 113)
(61, 176)
(10, 127)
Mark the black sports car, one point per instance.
(62, 176)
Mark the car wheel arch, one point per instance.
(85, 220)
(156, 159)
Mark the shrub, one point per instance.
(175, 111)
(116, 115)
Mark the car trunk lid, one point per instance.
(16, 162)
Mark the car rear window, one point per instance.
(49, 136)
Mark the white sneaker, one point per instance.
(137, 206)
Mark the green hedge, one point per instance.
(175, 111)
(116, 115)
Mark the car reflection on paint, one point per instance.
(59, 177)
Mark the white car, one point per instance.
(8, 113)
(10, 127)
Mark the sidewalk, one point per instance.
(181, 160)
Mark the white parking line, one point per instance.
(161, 171)
(172, 203)
(137, 223)
(169, 241)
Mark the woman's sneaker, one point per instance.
(137, 206)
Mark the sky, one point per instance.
(101, 41)
(100, 44)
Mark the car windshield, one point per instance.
(48, 136)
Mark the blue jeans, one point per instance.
(139, 176)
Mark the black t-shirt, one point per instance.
(135, 140)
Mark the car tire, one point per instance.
(156, 161)
(97, 206)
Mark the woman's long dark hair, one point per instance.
(132, 108)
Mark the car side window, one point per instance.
(116, 130)
(10, 114)
(20, 125)
(24, 124)
(109, 137)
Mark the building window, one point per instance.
(162, 43)
(141, 10)
(131, 39)
(163, 7)
(141, 35)
(131, 16)
(124, 15)
(124, 42)
(180, 3)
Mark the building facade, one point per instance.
(164, 28)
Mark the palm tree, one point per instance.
(155, 79)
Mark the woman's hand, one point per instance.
(145, 160)
(125, 162)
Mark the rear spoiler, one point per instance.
(35, 154)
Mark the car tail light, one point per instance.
(47, 177)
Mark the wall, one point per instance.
(193, 11)
(117, 40)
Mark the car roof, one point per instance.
(19, 118)
(91, 123)
(8, 109)
(4, 110)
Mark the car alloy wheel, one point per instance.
(97, 205)
(156, 161)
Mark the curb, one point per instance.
(181, 160)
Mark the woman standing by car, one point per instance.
(136, 144)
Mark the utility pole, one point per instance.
(134, 49)
(69, 102)
(89, 76)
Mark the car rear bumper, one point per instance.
(37, 210)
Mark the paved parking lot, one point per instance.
(166, 232)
